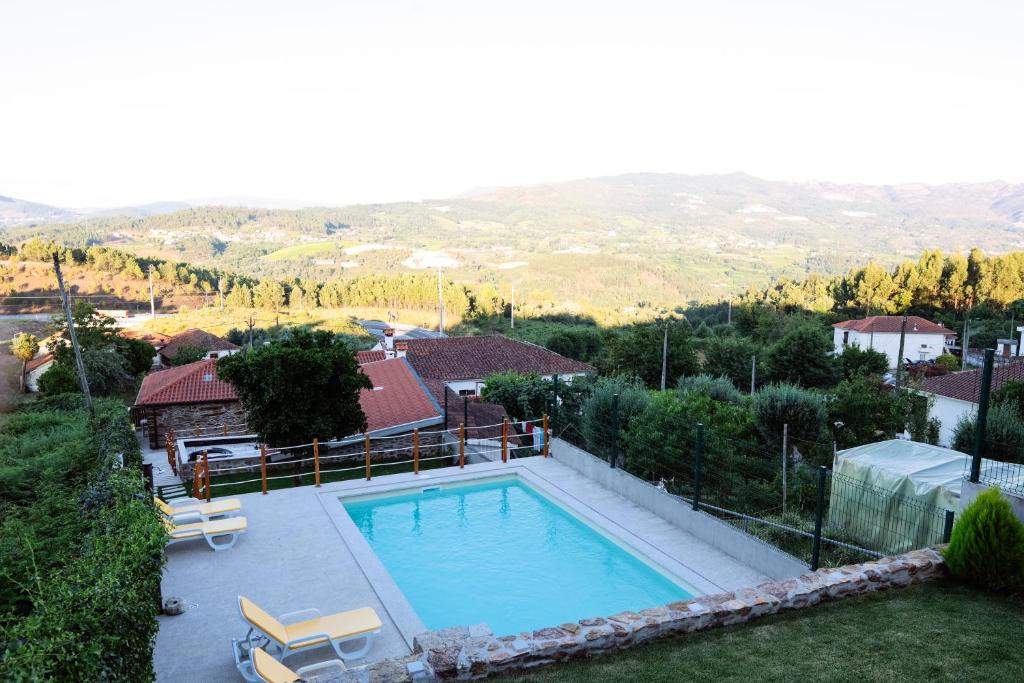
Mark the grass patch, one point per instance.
(306, 250)
(937, 632)
(219, 322)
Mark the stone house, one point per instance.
(214, 346)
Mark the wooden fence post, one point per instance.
(225, 427)
(197, 432)
(415, 451)
(197, 480)
(263, 466)
(547, 435)
(316, 461)
(366, 442)
(504, 440)
(206, 474)
(171, 460)
(462, 445)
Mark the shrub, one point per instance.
(803, 356)
(187, 354)
(948, 361)
(525, 397)
(1004, 433)
(856, 362)
(784, 404)
(597, 422)
(1011, 393)
(731, 357)
(987, 545)
(718, 388)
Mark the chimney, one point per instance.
(389, 342)
(401, 347)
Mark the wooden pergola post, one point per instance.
(366, 442)
(171, 460)
(197, 481)
(263, 466)
(416, 451)
(206, 474)
(225, 427)
(316, 461)
(547, 435)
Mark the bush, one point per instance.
(524, 397)
(803, 357)
(784, 404)
(187, 354)
(718, 388)
(987, 545)
(948, 361)
(1004, 433)
(731, 357)
(856, 362)
(597, 422)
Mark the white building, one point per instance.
(924, 340)
(955, 395)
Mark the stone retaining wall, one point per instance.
(466, 653)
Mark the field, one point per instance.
(932, 632)
(219, 322)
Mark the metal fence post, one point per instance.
(316, 461)
(982, 421)
(698, 472)
(785, 459)
(615, 431)
(819, 513)
(947, 527)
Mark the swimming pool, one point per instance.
(501, 553)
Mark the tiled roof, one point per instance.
(397, 398)
(966, 386)
(370, 356)
(197, 338)
(452, 358)
(157, 339)
(893, 324)
(38, 361)
(193, 383)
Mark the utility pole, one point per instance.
(753, 374)
(79, 363)
(981, 422)
(967, 341)
(512, 309)
(440, 305)
(220, 292)
(664, 356)
(152, 299)
(899, 361)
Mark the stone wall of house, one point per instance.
(465, 653)
(184, 419)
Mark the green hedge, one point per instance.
(81, 549)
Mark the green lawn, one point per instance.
(933, 632)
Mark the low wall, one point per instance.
(723, 536)
(466, 653)
(970, 490)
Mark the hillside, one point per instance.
(619, 242)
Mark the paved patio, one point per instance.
(295, 556)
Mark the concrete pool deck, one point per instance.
(299, 552)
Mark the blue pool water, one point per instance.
(501, 553)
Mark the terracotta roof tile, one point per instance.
(452, 358)
(892, 324)
(197, 338)
(193, 383)
(398, 396)
(966, 386)
(38, 361)
(370, 356)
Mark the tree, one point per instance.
(597, 423)
(785, 404)
(268, 295)
(1004, 433)
(524, 397)
(987, 545)
(187, 354)
(582, 344)
(862, 410)
(803, 356)
(732, 357)
(856, 362)
(24, 346)
(303, 386)
(105, 370)
(637, 351)
(138, 355)
(717, 388)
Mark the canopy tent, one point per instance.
(892, 496)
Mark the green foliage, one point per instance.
(524, 397)
(948, 361)
(24, 347)
(58, 379)
(1004, 433)
(855, 362)
(597, 421)
(987, 546)
(803, 357)
(785, 404)
(582, 344)
(1010, 394)
(81, 548)
(138, 355)
(718, 388)
(303, 386)
(637, 351)
(732, 357)
(186, 354)
(863, 410)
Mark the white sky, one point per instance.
(107, 103)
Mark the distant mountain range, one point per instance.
(629, 240)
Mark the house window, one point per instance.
(846, 338)
(467, 392)
(213, 354)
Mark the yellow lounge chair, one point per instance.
(306, 629)
(269, 670)
(204, 511)
(232, 527)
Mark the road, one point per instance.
(402, 331)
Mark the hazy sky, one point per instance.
(107, 103)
